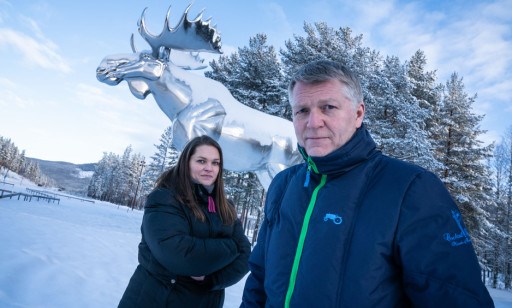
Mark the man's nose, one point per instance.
(315, 119)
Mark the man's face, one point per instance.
(323, 116)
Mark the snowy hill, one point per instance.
(73, 178)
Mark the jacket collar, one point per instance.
(358, 149)
(201, 193)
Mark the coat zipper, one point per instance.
(304, 230)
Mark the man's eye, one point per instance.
(329, 107)
(301, 111)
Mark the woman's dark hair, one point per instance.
(178, 178)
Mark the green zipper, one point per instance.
(302, 237)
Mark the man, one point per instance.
(352, 227)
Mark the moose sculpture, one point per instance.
(196, 105)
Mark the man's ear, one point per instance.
(359, 114)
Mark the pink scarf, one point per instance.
(211, 205)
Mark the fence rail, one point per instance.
(27, 197)
(38, 195)
(47, 193)
(3, 191)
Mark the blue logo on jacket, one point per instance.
(460, 238)
(335, 218)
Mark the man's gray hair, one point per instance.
(325, 70)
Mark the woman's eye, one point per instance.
(201, 161)
(216, 163)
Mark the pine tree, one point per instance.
(12, 159)
(97, 184)
(4, 151)
(136, 194)
(507, 144)
(428, 94)
(22, 163)
(124, 178)
(247, 194)
(226, 71)
(463, 155)
(166, 156)
(323, 42)
(103, 182)
(498, 252)
(254, 77)
(398, 121)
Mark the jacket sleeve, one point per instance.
(254, 293)
(434, 249)
(166, 230)
(237, 269)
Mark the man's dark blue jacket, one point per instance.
(356, 228)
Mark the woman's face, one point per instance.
(205, 165)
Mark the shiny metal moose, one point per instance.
(197, 105)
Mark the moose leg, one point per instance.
(196, 120)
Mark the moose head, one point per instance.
(196, 105)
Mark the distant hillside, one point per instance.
(73, 178)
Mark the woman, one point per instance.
(193, 246)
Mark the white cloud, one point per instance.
(373, 12)
(282, 28)
(499, 10)
(3, 14)
(6, 83)
(489, 137)
(34, 28)
(10, 99)
(452, 42)
(42, 54)
(95, 97)
(121, 113)
(473, 39)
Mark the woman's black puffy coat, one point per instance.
(176, 245)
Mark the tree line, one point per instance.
(12, 159)
(410, 113)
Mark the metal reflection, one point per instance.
(251, 140)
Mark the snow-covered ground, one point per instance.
(76, 253)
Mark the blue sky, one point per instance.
(52, 106)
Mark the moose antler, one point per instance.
(188, 35)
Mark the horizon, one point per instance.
(54, 108)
